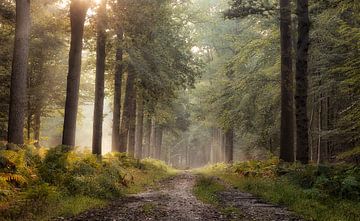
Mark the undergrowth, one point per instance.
(206, 189)
(324, 192)
(39, 184)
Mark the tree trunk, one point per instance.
(18, 86)
(229, 145)
(37, 126)
(139, 127)
(100, 79)
(78, 9)
(153, 138)
(147, 137)
(115, 145)
(158, 141)
(132, 123)
(222, 146)
(287, 100)
(125, 121)
(302, 138)
(212, 145)
(29, 119)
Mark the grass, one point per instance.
(206, 189)
(38, 184)
(310, 203)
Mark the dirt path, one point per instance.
(174, 201)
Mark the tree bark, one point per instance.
(158, 141)
(115, 146)
(125, 121)
(229, 145)
(147, 137)
(302, 138)
(78, 9)
(153, 138)
(287, 97)
(212, 145)
(132, 123)
(18, 86)
(37, 127)
(100, 79)
(139, 127)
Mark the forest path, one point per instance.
(173, 200)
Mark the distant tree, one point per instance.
(125, 121)
(100, 78)
(117, 88)
(302, 130)
(229, 146)
(132, 122)
(19, 73)
(139, 126)
(147, 137)
(78, 10)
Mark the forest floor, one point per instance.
(174, 199)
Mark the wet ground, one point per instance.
(173, 200)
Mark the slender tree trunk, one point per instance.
(302, 138)
(18, 86)
(147, 137)
(132, 123)
(78, 9)
(100, 79)
(229, 145)
(287, 102)
(153, 138)
(125, 121)
(212, 145)
(222, 145)
(115, 146)
(158, 141)
(319, 131)
(311, 149)
(29, 119)
(139, 127)
(37, 126)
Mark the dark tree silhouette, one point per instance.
(100, 79)
(287, 95)
(302, 138)
(78, 11)
(18, 86)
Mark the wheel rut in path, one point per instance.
(174, 200)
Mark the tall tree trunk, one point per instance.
(132, 123)
(287, 100)
(212, 145)
(78, 9)
(18, 101)
(319, 131)
(153, 138)
(29, 119)
(302, 138)
(125, 121)
(115, 145)
(158, 141)
(229, 145)
(147, 137)
(222, 145)
(139, 127)
(37, 126)
(100, 79)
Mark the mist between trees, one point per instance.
(188, 82)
